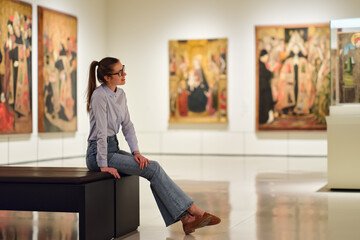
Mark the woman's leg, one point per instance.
(191, 216)
(171, 200)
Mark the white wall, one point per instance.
(138, 31)
(139, 35)
(91, 45)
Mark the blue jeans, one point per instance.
(171, 200)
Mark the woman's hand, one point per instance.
(141, 160)
(112, 171)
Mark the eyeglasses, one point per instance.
(120, 73)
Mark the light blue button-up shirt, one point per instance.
(108, 110)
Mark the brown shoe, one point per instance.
(198, 223)
(214, 220)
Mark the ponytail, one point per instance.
(91, 83)
(104, 69)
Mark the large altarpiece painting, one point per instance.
(293, 77)
(57, 50)
(15, 67)
(198, 81)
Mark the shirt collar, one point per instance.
(110, 92)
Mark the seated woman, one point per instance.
(108, 110)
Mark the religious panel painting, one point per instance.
(198, 81)
(348, 67)
(57, 53)
(333, 63)
(293, 77)
(15, 67)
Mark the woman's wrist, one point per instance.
(135, 152)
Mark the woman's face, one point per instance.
(115, 79)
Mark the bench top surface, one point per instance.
(9, 174)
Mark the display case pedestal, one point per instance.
(343, 133)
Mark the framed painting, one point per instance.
(293, 77)
(333, 63)
(57, 77)
(15, 67)
(198, 81)
(348, 67)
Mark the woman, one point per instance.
(108, 110)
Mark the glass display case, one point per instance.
(345, 61)
(343, 123)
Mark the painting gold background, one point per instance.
(59, 27)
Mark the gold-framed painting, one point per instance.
(292, 77)
(57, 71)
(198, 81)
(15, 67)
(348, 55)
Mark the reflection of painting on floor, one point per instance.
(15, 67)
(38, 225)
(289, 208)
(349, 67)
(214, 193)
(57, 71)
(212, 197)
(198, 80)
(293, 77)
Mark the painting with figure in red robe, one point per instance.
(293, 77)
(198, 80)
(348, 62)
(15, 67)
(57, 53)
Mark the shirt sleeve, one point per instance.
(99, 108)
(128, 129)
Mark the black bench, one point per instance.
(107, 207)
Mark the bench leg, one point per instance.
(96, 217)
(126, 205)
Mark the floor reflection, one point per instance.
(211, 196)
(18, 225)
(62, 226)
(289, 207)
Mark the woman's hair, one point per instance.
(104, 69)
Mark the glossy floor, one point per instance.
(261, 198)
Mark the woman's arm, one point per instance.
(130, 136)
(99, 109)
(128, 129)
